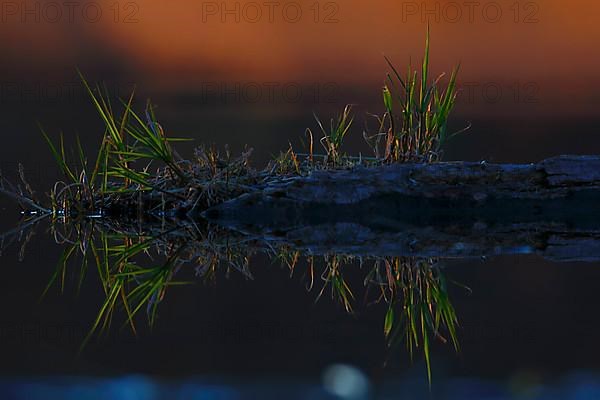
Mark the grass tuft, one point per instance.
(334, 135)
(415, 123)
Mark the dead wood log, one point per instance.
(455, 209)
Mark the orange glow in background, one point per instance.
(528, 81)
(178, 44)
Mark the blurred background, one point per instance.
(253, 73)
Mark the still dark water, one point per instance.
(527, 325)
(526, 328)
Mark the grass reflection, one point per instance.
(136, 266)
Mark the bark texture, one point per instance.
(454, 209)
